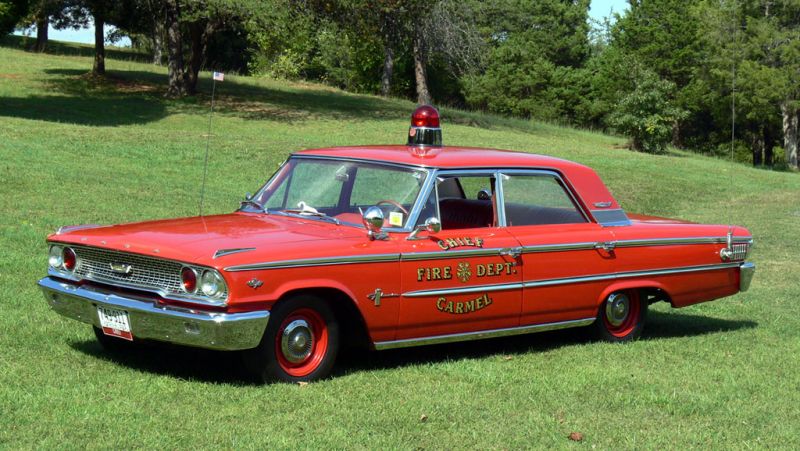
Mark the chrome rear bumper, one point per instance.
(222, 331)
(746, 272)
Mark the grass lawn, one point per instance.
(75, 150)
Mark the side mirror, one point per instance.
(373, 221)
(431, 225)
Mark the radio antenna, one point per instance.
(734, 55)
(218, 76)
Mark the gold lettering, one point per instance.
(451, 243)
(449, 308)
(468, 242)
(498, 269)
(487, 300)
(436, 274)
(439, 303)
(469, 306)
(479, 242)
(480, 271)
(420, 272)
(479, 303)
(442, 244)
(459, 308)
(490, 269)
(446, 274)
(508, 267)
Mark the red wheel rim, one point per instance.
(621, 313)
(301, 342)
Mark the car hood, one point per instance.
(197, 239)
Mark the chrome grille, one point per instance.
(740, 251)
(145, 272)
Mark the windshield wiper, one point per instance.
(306, 213)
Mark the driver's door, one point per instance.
(463, 278)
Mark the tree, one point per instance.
(646, 114)
(11, 11)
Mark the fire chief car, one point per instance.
(391, 247)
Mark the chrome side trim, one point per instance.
(746, 272)
(560, 247)
(189, 327)
(611, 218)
(626, 275)
(483, 252)
(325, 261)
(464, 290)
(224, 252)
(678, 241)
(468, 336)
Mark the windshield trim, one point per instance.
(413, 213)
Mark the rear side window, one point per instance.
(537, 200)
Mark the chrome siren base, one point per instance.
(211, 330)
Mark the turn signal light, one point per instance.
(69, 259)
(189, 279)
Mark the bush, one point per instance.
(646, 115)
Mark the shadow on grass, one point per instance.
(225, 367)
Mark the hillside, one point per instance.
(80, 150)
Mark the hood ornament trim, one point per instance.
(224, 252)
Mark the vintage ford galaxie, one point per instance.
(389, 247)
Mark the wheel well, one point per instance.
(352, 327)
(653, 295)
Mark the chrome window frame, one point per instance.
(416, 206)
(588, 219)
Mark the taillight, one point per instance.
(69, 259)
(189, 279)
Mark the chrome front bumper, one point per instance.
(746, 272)
(211, 330)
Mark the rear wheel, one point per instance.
(300, 343)
(621, 316)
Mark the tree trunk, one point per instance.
(200, 34)
(757, 145)
(769, 144)
(158, 43)
(175, 68)
(99, 67)
(791, 134)
(388, 69)
(423, 94)
(42, 25)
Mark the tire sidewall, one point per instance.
(601, 329)
(262, 361)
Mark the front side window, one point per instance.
(342, 189)
(538, 199)
(462, 202)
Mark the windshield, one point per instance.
(341, 190)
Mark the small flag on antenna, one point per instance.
(219, 76)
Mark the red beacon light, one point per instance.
(425, 129)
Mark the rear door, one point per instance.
(566, 260)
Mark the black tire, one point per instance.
(621, 317)
(300, 343)
(111, 344)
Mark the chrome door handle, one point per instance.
(607, 246)
(513, 252)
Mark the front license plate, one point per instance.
(115, 322)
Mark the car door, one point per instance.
(566, 260)
(462, 279)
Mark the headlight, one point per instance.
(212, 284)
(56, 258)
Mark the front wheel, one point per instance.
(621, 316)
(300, 343)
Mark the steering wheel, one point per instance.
(393, 203)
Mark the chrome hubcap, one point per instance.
(296, 341)
(617, 307)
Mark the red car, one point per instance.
(391, 246)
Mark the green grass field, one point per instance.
(74, 150)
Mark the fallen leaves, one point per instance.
(575, 436)
(423, 418)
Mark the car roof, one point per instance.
(446, 157)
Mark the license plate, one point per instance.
(115, 323)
